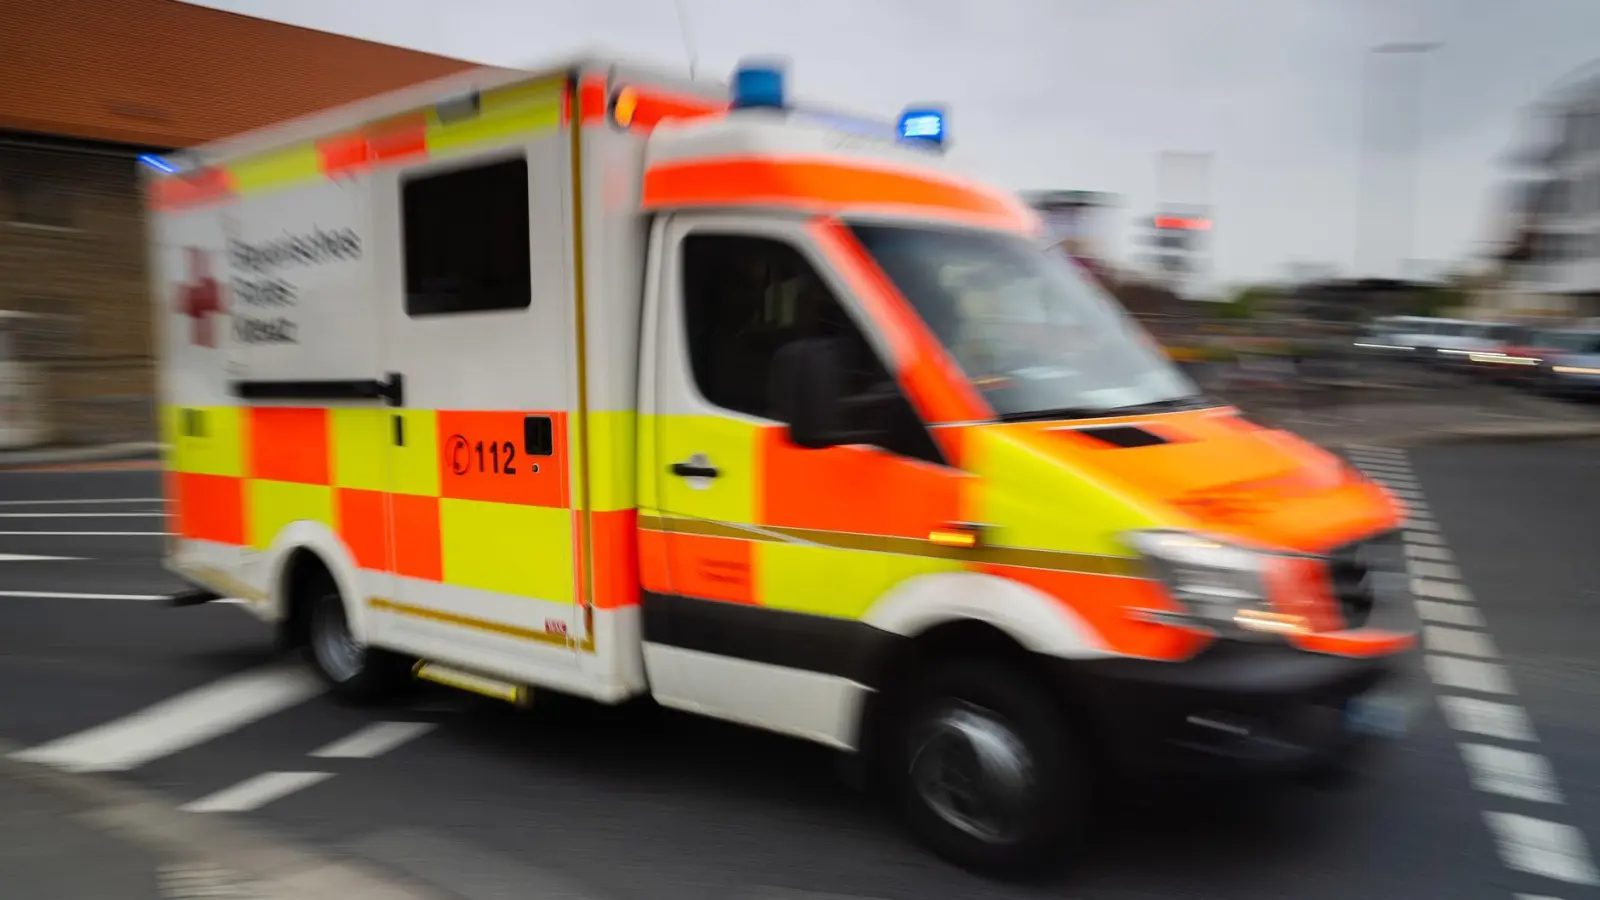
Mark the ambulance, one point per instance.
(602, 383)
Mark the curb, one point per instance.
(1484, 434)
(26, 459)
(230, 850)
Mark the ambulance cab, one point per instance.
(600, 383)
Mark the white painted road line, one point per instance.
(1510, 773)
(1448, 613)
(1468, 674)
(1458, 641)
(28, 557)
(374, 740)
(1546, 849)
(1427, 552)
(1487, 718)
(85, 534)
(82, 515)
(254, 793)
(1442, 571)
(1423, 537)
(82, 502)
(56, 595)
(180, 722)
(1453, 591)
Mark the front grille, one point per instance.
(1360, 571)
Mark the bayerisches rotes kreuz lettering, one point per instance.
(264, 296)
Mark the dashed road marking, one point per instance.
(256, 792)
(1510, 773)
(1459, 658)
(81, 502)
(180, 722)
(1547, 849)
(82, 515)
(1487, 718)
(85, 533)
(1458, 641)
(58, 595)
(29, 557)
(374, 740)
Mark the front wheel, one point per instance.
(984, 769)
(357, 673)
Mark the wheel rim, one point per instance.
(974, 772)
(335, 647)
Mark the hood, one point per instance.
(1215, 471)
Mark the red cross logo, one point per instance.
(200, 297)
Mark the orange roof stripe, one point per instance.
(826, 185)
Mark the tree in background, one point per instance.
(1248, 302)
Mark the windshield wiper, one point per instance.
(1172, 404)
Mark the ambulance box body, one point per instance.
(596, 382)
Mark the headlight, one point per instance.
(1222, 587)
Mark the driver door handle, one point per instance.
(694, 467)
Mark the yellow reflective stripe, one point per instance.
(272, 505)
(205, 440)
(507, 548)
(276, 169)
(829, 582)
(611, 460)
(414, 468)
(361, 439)
(730, 446)
(1036, 500)
(502, 115)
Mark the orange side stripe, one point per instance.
(1362, 643)
(891, 495)
(289, 444)
(825, 185)
(209, 507)
(191, 189)
(653, 106)
(592, 100)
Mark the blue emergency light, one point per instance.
(157, 163)
(758, 86)
(922, 124)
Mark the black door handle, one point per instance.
(694, 468)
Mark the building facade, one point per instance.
(86, 86)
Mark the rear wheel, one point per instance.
(984, 770)
(357, 673)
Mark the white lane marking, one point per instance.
(1448, 613)
(142, 598)
(1428, 552)
(1423, 537)
(1452, 591)
(82, 502)
(1458, 641)
(1533, 897)
(28, 557)
(1442, 571)
(1510, 773)
(180, 722)
(374, 740)
(1468, 674)
(56, 595)
(82, 515)
(1411, 496)
(256, 792)
(85, 534)
(1488, 718)
(1415, 522)
(1547, 849)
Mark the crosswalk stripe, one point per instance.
(180, 722)
(374, 740)
(256, 792)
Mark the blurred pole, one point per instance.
(688, 40)
(1412, 162)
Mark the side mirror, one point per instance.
(807, 391)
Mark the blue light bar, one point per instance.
(157, 163)
(924, 124)
(758, 86)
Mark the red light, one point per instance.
(1173, 223)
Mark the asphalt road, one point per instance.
(485, 801)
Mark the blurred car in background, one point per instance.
(1572, 366)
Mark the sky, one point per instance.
(1308, 140)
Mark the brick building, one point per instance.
(85, 87)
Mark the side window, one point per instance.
(745, 298)
(466, 240)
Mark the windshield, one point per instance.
(1028, 328)
(1573, 341)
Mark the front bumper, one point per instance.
(1255, 709)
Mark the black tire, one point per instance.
(370, 675)
(1047, 826)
